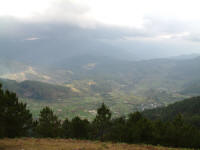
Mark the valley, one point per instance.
(80, 84)
(95, 75)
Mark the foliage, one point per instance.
(102, 122)
(79, 128)
(188, 108)
(16, 121)
(38, 90)
(192, 88)
(81, 97)
(48, 124)
(15, 118)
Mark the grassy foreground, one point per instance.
(68, 144)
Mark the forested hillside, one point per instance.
(193, 88)
(38, 90)
(188, 109)
(16, 121)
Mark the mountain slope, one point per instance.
(38, 90)
(192, 88)
(188, 108)
(125, 86)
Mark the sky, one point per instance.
(160, 27)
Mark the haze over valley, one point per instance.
(99, 74)
(72, 56)
(123, 85)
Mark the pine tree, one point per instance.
(118, 130)
(102, 121)
(66, 128)
(48, 125)
(79, 128)
(15, 118)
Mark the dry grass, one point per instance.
(63, 144)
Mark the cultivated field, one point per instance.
(63, 144)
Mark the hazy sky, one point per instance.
(173, 24)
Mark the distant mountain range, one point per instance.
(169, 75)
(134, 85)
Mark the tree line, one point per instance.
(16, 121)
(189, 109)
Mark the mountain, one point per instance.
(192, 88)
(88, 80)
(37, 90)
(188, 108)
(86, 72)
(188, 56)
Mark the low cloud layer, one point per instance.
(141, 29)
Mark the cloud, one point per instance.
(154, 29)
(128, 17)
(32, 38)
(65, 11)
(101, 27)
(193, 37)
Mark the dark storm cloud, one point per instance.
(12, 27)
(51, 41)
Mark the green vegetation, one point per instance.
(192, 88)
(38, 90)
(16, 121)
(80, 85)
(15, 118)
(48, 124)
(83, 97)
(188, 109)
